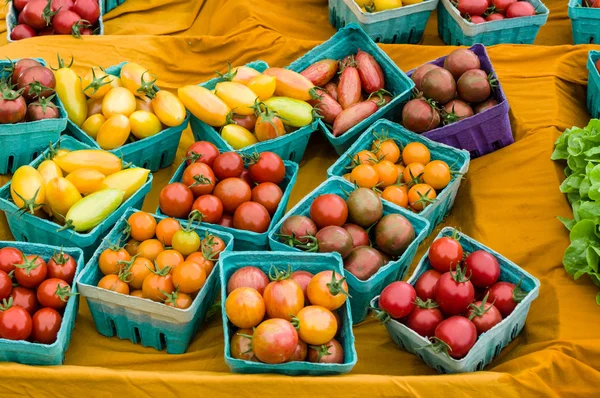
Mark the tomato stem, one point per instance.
(518, 293)
(479, 310)
(97, 83)
(336, 286)
(429, 304)
(279, 275)
(322, 350)
(27, 264)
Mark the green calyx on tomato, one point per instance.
(460, 274)
(207, 247)
(161, 271)
(147, 88)
(61, 62)
(379, 94)
(64, 292)
(29, 205)
(279, 275)
(438, 346)
(336, 286)
(96, 83)
(199, 179)
(429, 304)
(27, 264)
(322, 351)
(229, 75)
(60, 258)
(6, 304)
(518, 293)
(77, 26)
(171, 298)
(382, 316)
(267, 115)
(479, 310)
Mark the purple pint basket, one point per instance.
(484, 132)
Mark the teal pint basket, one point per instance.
(290, 146)
(593, 90)
(311, 262)
(30, 228)
(489, 344)
(29, 353)
(110, 5)
(457, 31)
(346, 41)
(361, 291)
(23, 142)
(249, 240)
(153, 153)
(143, 321)
(585, 23)
(404, 25)
(457, 159)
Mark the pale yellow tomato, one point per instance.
(144, 124)
(263, 86)
(237, 136)
(119, 100)
(92, 125)
(116, 82)
(237, 96)
(128, 180)
(144, 104)
(96, 83)
(168, 108)
(204, 105)
(61, 195)
(49, 170)
(114, 132)
(382, 5)
(86, 180)
(28, 189)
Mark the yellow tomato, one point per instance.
(114, 132)
(61, 195)
(243, 74)
(237, 136)
(137, 79)
(237, 96)
(94, 106)
(362, 3)
(204, 104)
(168, 108)
(86, 180)
(49, 170)
(144, 104)
(28, 189)
(69, 90)
(410, 2)
(144, 124)
(290, 84)
(96, 159)
(96, 83)
(128, 180)
(60, 152)
(116, 82)
(263, 86)
(119, 100)
(92, 124)
(381, 5)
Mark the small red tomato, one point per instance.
(445, 254)
(5, 285)
(226, 220)
(88, 10)
(26, 298)
(506, 296)
(454, 292)
(31, 272)
(484, 315)
(15, 322)
(426, 285)
(176, 200)
(45, 325)
(210, 206)
(267, 167)
(329, 209)
(458, 334)
(62, 266)
(482, 268)
(246, 177)
(227, 165)
(251, 216)
(398, 299)
(202, 152)
(54, 293)
(21, 32)
(331, 352)
(9, 257)
(232, 192)
(200, 178)
(267, 194)
(425, 318)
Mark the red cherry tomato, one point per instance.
(505, 296)
(88, 10)
(21, 31)
(15, 322)
(425, 318)
(454, 292)
(459, 334)
(62, 266)
(445, 254)
(482, 268)
(398, 299)
(45, 325)
(176, 200)
(31, 272)
(210, 206)
(200, 178)
(246, 177)
(274, 341)
(267, 167)
(267, 194)
(329, 209)
(202, 152)
(5, 285)
(226, 220)
(228, 165)
(251, 216)
(331, 352)
(54, 293)
(484, 315)
(248, 277)
(426, 285)
(25, 298)
(520, 9)
(232, 192)
(9, 256)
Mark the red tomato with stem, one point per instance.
(484, 315)
(56, 5)
(228, 165)
(425, 317)
(34, 14)
(329, 209)
(54, 293)
(202, 152)
(300, 353)
(176, 200)
(482, 268)
(454, 292)
(283, 296)
(251, 216)
(445, 254)
(274, 341)
(472, 7)
(25, 298)
(15, 322)
(31, 272)
(62, 266)
(200, 178)
(45, 325)
(267, 194)
(64, 20)
(506, 296)
(330, 352)
(5, 285)
(426, 285)
(88, 10)
(455, 335)
(20, 4)
(252, 277)
(520, 9)
(9, 257)
(210, 206)
(232, 192)
(398, 299)
(267, 167)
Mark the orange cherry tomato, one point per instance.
(396, 194)
(437, 174)
(364, 176)
(178, 300)
(327, 289)
(364, 157)
(114, 283)
(413, 173)
(132, 247)
(158, 284)
(245, 307)
(415, 152)
(111, 260)
(386, 149)
(387, 172)
(143, 226)
(212, 246)
(137, 293)
(169, 258)
(165, 230)
(150, 249)
(400, 168)
(316, 325)
(206, 265)
(347, 177)
(137, 271)
(189, 277)
(420, 196)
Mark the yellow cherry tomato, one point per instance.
(96, 159)
(119, 100)
(144, 124)
(138, 80)
(92, 125)
(94, 107)
(69, 90)
(128, 180)
(86, 180)
(204, 105)
(115, 81)
(28, 189)
(168, 108)
(237, 136)
(420, 196)
(382, 5)
(114, 132)
(96, 83)
(144, 104)
(263, 86)
(237, 97)
(61, 195)
(49, 170)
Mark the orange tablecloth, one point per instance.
(509, 201)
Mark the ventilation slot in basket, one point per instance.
(480, 365)
(514, 332)
(11, 162)
(111, 326)
(498, 349)
(24, 238)
(163, 159)
(34, 156)
(497, 145)
(293, 157)
(136, 335)
(441, 370)
(162, 341)
(146, 164)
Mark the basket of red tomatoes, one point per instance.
(244, 195)
(38, 310)
(463, 304)
(286, 313)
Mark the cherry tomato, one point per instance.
(300, 353)
(186, 242)
(364, 175)
(283, 298)
(387, 172)
(165, 230)
(445, 254)
(364, 157)
(137, 271)
(169, 258)
(228, 165)
(413, 173)
(505, 296)
(437, 174)
(249, 276)
(26, 298)
(176, 200)
(5, 285)
(15, 322)
(398, 299)
(157, 284)
(484, 315)
(150, 249)
(241, 346)
(482, 268)
(329, 209)
(132, 246)
(274, 341)
(62, 266)
(54, 293)
(45, 325)
(212, 246)
(246, 177)
(330, 352)
(189, 277)
(267, 167)
(424, 318)
(396, 194)
(200, 178)
(316, 325)
(143, 226)
(459, 334)
(232, 192)
(226, 220)
(202, 151)
(137, 293)
(210, 207)
(9, 257)
(267, 194)
(302, 278)
(198, 258)
(454, 292)
(327, 289)
(251, 216)
(415, 152)
(179, 300)
(386, 149)
(421, 196)
(245, 307)
(426, 285)
(31, 272)
(114, 283)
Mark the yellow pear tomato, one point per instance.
(237, 136)
(119, 100)
(128, 181)
(114, 132)
(92, 125)
(86, 180)
(263, 86)
(96, 83)
(204, 105)
(138, 80)
(69, 90)
(144, 124)
(168, 108)
(61, 195)
(28, 189)
(237, 96)
(49, 170)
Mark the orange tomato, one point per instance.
(137, 271)
(111, 260)
(212, 246)
(327, 289)
(413, 173)
(420, 196)
(364, 157)
(206, 265)
(169, 258)
(86, 180)
(316, 325)
(114, 283)
(437, 174)
(400, 168)
(364, 176)
(290, 84)
(142, 225)
(387, 172)
(243, 74)
(165, 229)
(150, 249)
(396, 194)
(386, 149)
(178, 300)
(114, 132)
(415, 152)
(245, 307)
(158, 284)
(189, 277)
(137, 293)
(168, 108)
(348, 176)
(132, 247)
(93, 124)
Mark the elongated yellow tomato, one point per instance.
(86, 180)
(294, 112)
(128, 180)
(94, 106)
(96, 159)
(28, 189)
(138, 80)
(237, 136)
(119, 100)
(60, 152)
(263, 86)
(236, 96)
(49, 170)
(61, 195)
(96, 83)
(93, 209)
(114, 132)
(168, 108)
(243, 74)
(144, 124)
(204, 104)
(290, 84)
(69, 90)
(382, 5)
(144, 104)
(92, 125)
(116, 81)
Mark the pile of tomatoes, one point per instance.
(34, 294)
(481, 11)
(457, 300)
(405, 176)
(26, 92)
(355, 228)
(77, 189)
(162, 262)
(55, 17)
(348, 100)
(220, 188)
(250, 107)
(286, 316)
(114, 110)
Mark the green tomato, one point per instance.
(186, 242)
(93, 209)
(295, 113)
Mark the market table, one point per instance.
(509, 201)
